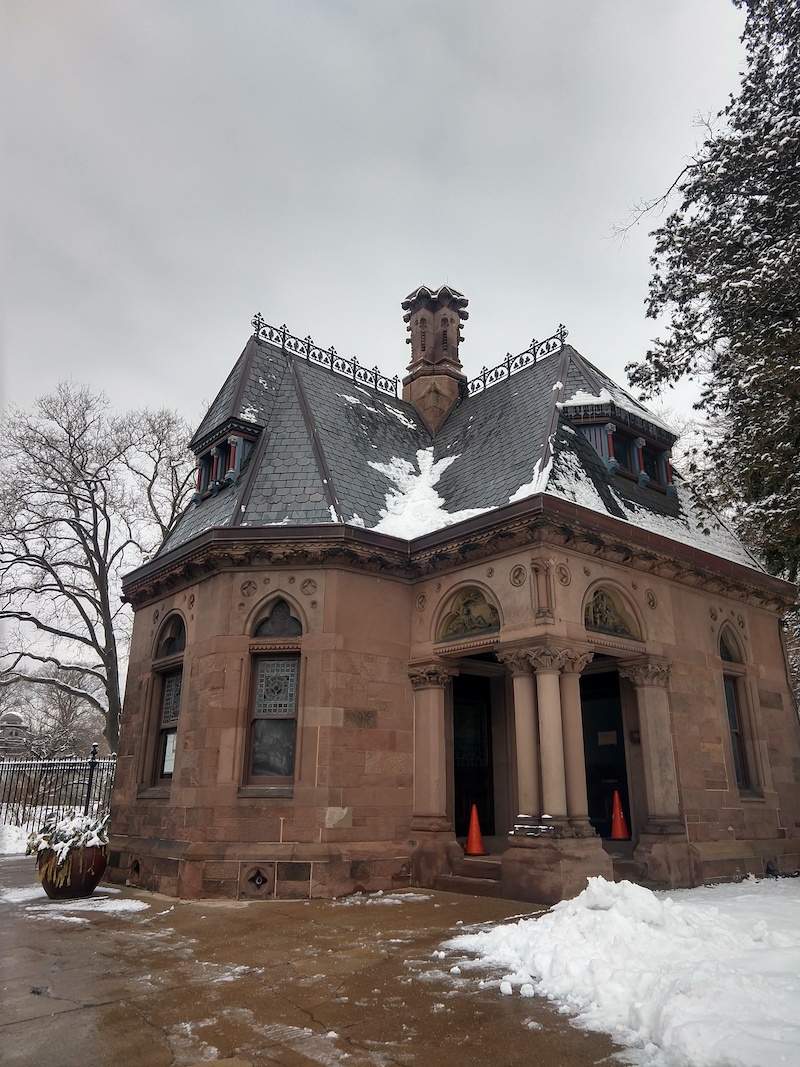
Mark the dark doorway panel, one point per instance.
(472, 753)
(604, 746)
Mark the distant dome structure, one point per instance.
(13, 730)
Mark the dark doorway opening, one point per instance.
(604, 747)
(472, 753)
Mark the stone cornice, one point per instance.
(275, 644)
(465, 646)
(526, 523)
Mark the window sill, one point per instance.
(751, 796)
(633, 476)
(265, 791)
(153, 793)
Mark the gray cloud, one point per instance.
(176, 166)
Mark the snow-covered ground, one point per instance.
(706, 977)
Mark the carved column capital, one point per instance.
(547, 658)
(577, 660)
(516, 660)
(430, 675)
(647, 672)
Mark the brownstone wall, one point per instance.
(346, 823)
(352, 792)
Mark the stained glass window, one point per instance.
(274, 721)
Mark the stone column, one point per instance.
(522, 679)
(429, 681)
(548, 662)
(651, 679)
(572, 728)
(434, 847)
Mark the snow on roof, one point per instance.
(620, 399)
(572, 480)
(331, 441)
(414, 508)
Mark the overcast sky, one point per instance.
(175, 166)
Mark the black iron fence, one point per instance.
(30, 789)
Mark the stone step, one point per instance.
(633, 871)
(469, 886)
(627, 870)
(477, 867)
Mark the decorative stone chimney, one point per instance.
(435, 378)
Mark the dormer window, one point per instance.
(651, 463)
(630, 455)
(221, 464)
(622, 451)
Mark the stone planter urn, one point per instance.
(77, 876)
(71, 854)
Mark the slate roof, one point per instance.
(330, 450)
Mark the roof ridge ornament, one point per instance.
(513, 364)
(374, 379)
(327, 358)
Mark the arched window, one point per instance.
(735, 703)
(279, 623)
(171, 644)
(274, 700)
(172, 639)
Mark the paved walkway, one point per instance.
(354, 983)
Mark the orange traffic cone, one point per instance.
(619, 830)
(474, 845)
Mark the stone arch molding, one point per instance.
(608, 610)
(263, 608)
(733, 640)
(471, 610)
(170, 622)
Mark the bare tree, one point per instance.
(84, 496)
(58, 722)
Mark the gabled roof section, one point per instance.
(245, 401)
(589, 393)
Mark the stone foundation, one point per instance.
(252, 871)
(432, 857)
(547, 869)
(731, 861)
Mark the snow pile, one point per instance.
(414, 507)
(708, 977)
(13, 839)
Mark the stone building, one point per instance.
(381, 610)
(13, 735)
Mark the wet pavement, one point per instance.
(133, 978)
